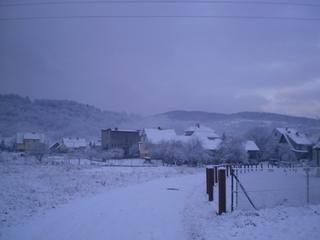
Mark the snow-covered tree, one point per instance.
(231, 151)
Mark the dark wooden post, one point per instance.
(216, 174)
(207, 179)
(210, 180)
(222, 191)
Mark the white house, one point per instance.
(154, 136)
(208, 137)
(297, 141)
(74, 143)
(252, 151)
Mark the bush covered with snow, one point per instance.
(177, 152)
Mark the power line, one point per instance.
(159, 17)
(67, 2)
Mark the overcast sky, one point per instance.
(148, 66)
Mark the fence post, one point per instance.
(231, 174)
(222, 190)
(308, 184)
(207, 179)
(210, 181)
(216, 174)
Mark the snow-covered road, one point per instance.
(152, 210)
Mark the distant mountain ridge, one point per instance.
(60, 118)
(200, 115)
(56, 118)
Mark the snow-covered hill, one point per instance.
(57, 118)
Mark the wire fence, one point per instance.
(272, 187)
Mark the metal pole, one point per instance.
(308, 189)
(231, 173)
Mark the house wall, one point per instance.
(253, 156)
(20, 147)
(30, 142)
(280, 139)
(119, 139)
(316, 156)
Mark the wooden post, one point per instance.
(222, 191)
(207, 179)
(216, 174)
(210, 180)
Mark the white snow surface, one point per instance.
(295, 135)
(29, 135)
(251, 146)
(173, 206)
(74, 142)
(28, 188)
(157, 136)
(145, 211)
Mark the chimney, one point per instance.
(198, 125)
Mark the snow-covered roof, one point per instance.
(295, 135)
(201, 131)
(251, 146)
(211, 144)
(120, 130)
(155, 135)
(317, 146)
(74, 142)
(29, 136)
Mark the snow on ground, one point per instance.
(152, 210)
(27, 188)
(117, 203)
(273, 221)
(279, 187)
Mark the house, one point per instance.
(297, 142)
(119, 138)
(68, 144)
(26, 140)
(210, 140)
(252, 151)
(154, 136)
(74, 143)
(316, 154)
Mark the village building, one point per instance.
(26, 140)
(210, 140)
(119, 138)
(74, 143)
(316, 154)
(297, 142)
(252, 151)
(68, 144)
(154, 136)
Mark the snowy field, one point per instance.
(27, 188)
(275, 187)
(48, 202)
